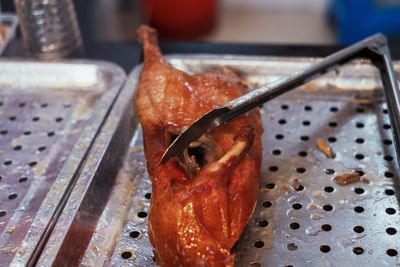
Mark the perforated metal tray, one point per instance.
(49, 113)
(303, 218)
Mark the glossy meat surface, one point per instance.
(202, 200)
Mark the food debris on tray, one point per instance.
(297, 184)
(350, 178)
(324, 147)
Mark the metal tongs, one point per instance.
(374, 48)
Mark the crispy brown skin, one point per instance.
(195, 221)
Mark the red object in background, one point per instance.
(181, 19)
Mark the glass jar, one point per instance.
(49, 28)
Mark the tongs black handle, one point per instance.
(374, 48)
(269, 91)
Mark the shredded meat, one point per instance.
(323, 146)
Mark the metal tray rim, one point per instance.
(66, 178)
(101, 145)
(100, 66)
(240, 59)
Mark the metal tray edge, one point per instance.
(52, 205)
(102, 144)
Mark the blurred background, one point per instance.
(254, 21)
(251, 21)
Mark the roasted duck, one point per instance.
(202, 200)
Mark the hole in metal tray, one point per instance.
(134, 234)
(358, 229)
(294, 226)
(326, 227)
(126, 254)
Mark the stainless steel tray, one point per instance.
(50, 113)
(9, 22)
(303, 218)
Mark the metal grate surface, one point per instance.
(37, 133)
(304, 218)
(50, 114)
